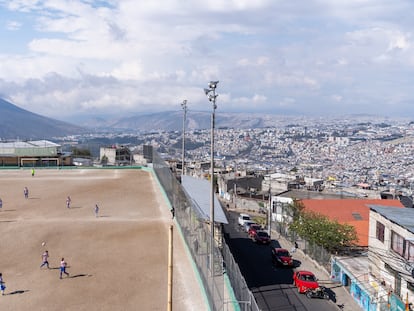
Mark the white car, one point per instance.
(243, 218)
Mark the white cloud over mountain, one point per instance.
(63, 58)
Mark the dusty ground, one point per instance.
(117, 261)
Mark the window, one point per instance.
(380, 231)
(397, 243)
(409, 251)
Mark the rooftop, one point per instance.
(400, 216)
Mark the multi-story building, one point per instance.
(391, 257)
(115, 155)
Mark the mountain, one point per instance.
(17, 123)
(173, 121)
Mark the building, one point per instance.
(116, 155)
(350, 269)
(354, 212)
(391, 257)
(39, 153)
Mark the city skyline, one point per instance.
(66, 59)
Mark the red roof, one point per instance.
(354, 212)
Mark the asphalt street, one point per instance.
(273, 286)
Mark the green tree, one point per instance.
(104, 160)
(327, 233)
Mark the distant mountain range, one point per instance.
(17, 123)
(173, 121)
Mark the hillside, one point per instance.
(173, 121)
(17, 123)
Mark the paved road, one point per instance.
(272, 286)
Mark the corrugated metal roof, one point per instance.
(401, 216)
(28, 144)
(199, 190)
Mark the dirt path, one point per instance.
(117, 261)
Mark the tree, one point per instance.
(327, 233)
(104, 159)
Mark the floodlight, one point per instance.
(213, 84)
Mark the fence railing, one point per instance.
(316, 252)
(196, 233)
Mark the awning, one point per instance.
(199, 190)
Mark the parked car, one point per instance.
(247, 225)
(261, 237)
(243, 218)
(305, 281)
(253, 230)
(282, 257)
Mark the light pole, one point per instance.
(269, 216)
(184, 106)
(212, 96)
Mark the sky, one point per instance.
(65, 59)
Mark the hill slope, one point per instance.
(17, 123)
(173, 121)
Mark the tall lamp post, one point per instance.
(269, 216)
(184, 106)
(212, 96)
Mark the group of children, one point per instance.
(45, 262)
(68, 201)
(45, 255)
(63, 263)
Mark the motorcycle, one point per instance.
(319, 292)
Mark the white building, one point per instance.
(391, 256)
(116, 155)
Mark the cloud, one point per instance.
(13, 25)
(133, 56)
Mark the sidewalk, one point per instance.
(341, 294)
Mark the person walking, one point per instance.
(63, 265)
(26, 192)
(294, 248)
(68, 201)
(1, 203)
(96, 210)
(2, 284)
(33, 172)
(45, 259)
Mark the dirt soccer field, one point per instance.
(116, 261)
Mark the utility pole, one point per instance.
(212, 96)
(269, 216)
(184, 106)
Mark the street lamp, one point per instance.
(184, 106)
(269, 216)
(212, 96)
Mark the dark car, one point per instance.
(282, 257)
(253, 230)
(305, 281)
(261, 237)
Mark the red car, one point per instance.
(305, 281)
(282, 257)
(261, 237)
(253, 230)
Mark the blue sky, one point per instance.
(63, 59)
